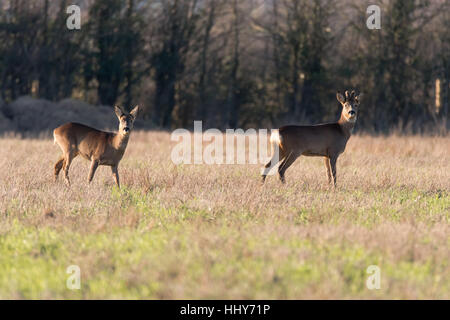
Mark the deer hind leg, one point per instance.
(58, 166)
(272, 163)
(285, 164)
(67, 161)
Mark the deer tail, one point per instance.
(275, 139)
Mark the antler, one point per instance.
(350, 96)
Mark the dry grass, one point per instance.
(215, 232)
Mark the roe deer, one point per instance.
(100, 147)
(323, 140)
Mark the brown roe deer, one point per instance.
(323, 140)
(99, 147)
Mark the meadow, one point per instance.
(214, 231)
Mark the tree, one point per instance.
(300, 36)
(114, 27)
(175, 24)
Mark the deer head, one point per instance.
(350, 104)
(126, 120)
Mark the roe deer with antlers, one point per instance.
(99, 147)
(324, 140)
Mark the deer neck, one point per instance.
(346, 125)
(120, 141)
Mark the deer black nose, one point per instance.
(126, 129)
(351, 112)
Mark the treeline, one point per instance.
(234, 63)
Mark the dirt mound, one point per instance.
(6, 125)
(30, 115)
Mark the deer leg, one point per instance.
(115, 173)
(269, 167)
(333, 161)
(67, 161)
(328, 166)
(285, 164)
(94, 166)
(58, 166)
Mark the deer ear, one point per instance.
(118, 111)
(340, 97)
(134, 112)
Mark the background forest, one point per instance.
(230, 63)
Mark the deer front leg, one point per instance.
(333, 161)
(327, 165)
(115, 173)
(94, 166)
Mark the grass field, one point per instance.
(210, 232)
